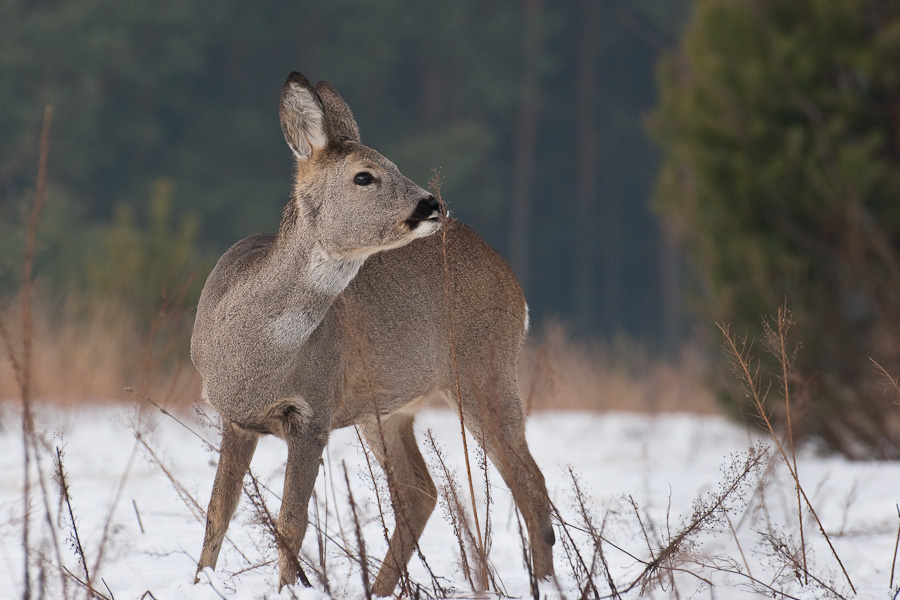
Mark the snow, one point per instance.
(661, 464)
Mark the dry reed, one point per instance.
(558, 372)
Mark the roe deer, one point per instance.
(347, 316)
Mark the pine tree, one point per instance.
(780, 124)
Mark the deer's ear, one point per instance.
(302, 117)
(341, 124)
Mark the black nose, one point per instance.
(427, 208)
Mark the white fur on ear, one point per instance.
(302, 118)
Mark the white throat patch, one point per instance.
(329, 274)
(291, 328)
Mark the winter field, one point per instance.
(670, 506)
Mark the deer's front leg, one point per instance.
(235, 453)
(306, 440)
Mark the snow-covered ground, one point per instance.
(662, 465)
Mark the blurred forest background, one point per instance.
(648, 168)
(166, 124)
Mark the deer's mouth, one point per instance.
(413, 224)
(428, 210)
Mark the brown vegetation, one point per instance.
(94, 353)
(559, 372)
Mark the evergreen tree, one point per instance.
(781, 131)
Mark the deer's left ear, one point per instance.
(341, 124)
(302, 117)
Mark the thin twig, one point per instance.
(106, 585)
(778, 347)
(22, 364)
(742, 370)
(580, 565)
(92, 593)
(435, 184)
(738, 544)
(594, 534)
(894, 382)
(455, 511)
(896, 543)
(150, 401)
(138, 515)
(363, 563)
(107, 523)
(320, 544)
(255, 496)
(703, 514)
(76, 538)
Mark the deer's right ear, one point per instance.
(302, 117)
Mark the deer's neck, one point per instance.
(299, 284)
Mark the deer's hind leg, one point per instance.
(413, 494)
(235, 453)
(493, 413)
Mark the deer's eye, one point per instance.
(363, 178)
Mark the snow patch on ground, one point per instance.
(660, 463)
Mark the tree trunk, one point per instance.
(586, 192)
(526, 144)
(672, 292)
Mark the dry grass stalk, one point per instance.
(330, 475)
(22, 364)
(320, 541)
(475, 564)
(776, 340)
(488, 501)
(739, 354)
(706, 513)
(435, 185)
(91, 592)
(186, 497)
(896, 545)
(577, 565)
(270, 524)
(790, 555)
(206, 443)
(595, 535)
(737, 543)
(453, 506)
(526, 559)
(375, 487)
(893, 382)
(557, 371)
(490, 427)
(28, 264)
(767, 588)
(37, 443)
(361, 545)
(137, 515)
(65, 498)
(107, 522)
